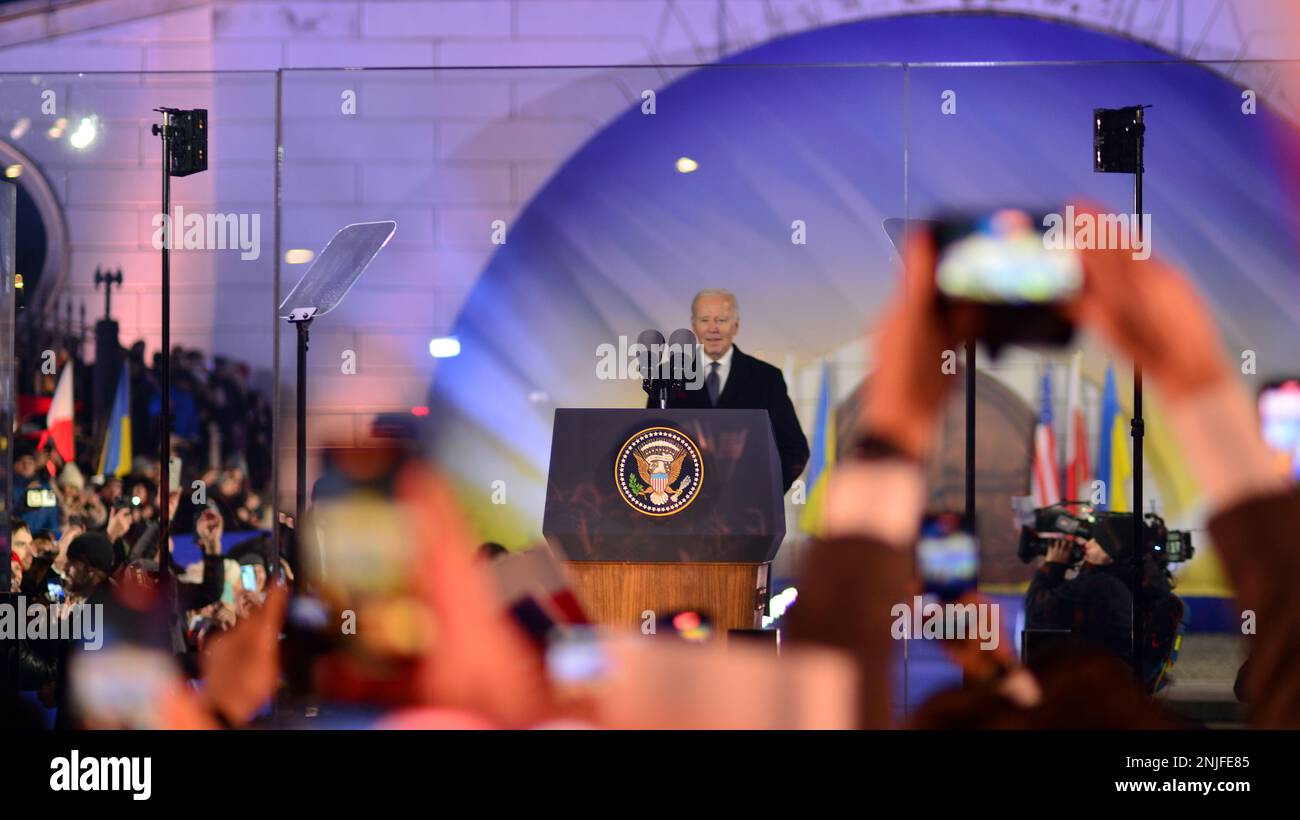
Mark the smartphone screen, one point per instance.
(248, 577)
(121, 687)
(1004, 258)
(947, 555)
(575, 656)
(1279, 418)
(39, 498)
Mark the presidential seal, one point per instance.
(659, 471)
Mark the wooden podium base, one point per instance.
(619, 594)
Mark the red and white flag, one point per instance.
(58, 419)
(1044, 484)
(1077, 469)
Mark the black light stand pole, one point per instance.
(1139, 620)
(970, 433)
(1118, 137)
(970, 449)
(164, 421)
(184, 152)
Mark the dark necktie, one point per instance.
(711, 383)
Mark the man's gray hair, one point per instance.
(725, 294)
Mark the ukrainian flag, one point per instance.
(1113, 463)
(115, 459)
(821, 459)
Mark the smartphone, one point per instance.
(1003, 273)
(38, 498)
(359, 553)
(248, 577)
(174, 474)
(533, 619)
(55, 591)
(947, 556)
(121, 687)
(1279, 420)
(576, 656)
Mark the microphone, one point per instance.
(651, 344)
(681, 350)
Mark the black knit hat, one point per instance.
(93, 549)
(1114, 533)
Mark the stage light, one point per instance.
(779, 604)
(85, 133)
(13, 171)
(686, 165)
(298, 256)
(20, 128)
(421, 411)
(444, 347)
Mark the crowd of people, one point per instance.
(81, 537)
(445, 651)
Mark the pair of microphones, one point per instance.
(665, 365)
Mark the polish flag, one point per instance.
(1044, 484)
(58, 421)
(1076, 437)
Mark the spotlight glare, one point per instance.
(444, 347)
(13, 171)
(20, 128)
(686, 165)
(85, 133)
(298, 256)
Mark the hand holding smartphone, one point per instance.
(1000, 273)
(947, 556)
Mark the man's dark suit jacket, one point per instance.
(754, 385)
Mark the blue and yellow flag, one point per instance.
(115, 459)
(821, 460)
(1113, 464)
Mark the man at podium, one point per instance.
(736, 380)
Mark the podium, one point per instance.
(659, 511)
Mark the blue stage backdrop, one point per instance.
(618, 240)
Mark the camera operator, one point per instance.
(1095, 605)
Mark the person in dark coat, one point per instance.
(734, 379)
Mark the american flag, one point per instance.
(1045, 487)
